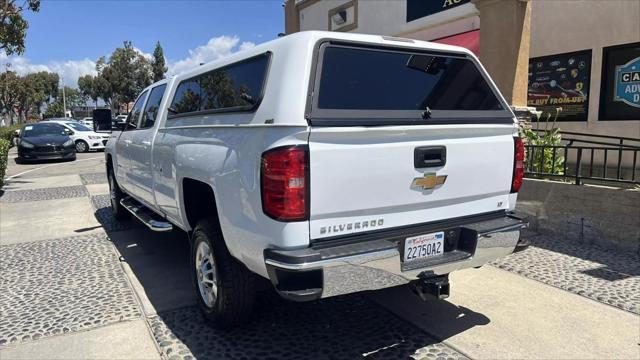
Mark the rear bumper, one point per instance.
(373, 261)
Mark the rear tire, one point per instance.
(115, 195)
(225, 289)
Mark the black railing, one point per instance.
(597, 157)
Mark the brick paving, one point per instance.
(346, 327)
(94, 178)
(102, 204)
(63, 192)
(63, 285)
(605, 275)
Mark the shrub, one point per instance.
(4, 154)
(6, 133)
(543, 159)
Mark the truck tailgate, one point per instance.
(366, 178)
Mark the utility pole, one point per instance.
(64, 101)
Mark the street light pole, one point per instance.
(64, 101)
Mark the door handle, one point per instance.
(127, 142)
(429, 156)
(146, 143)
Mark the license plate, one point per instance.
(423, 246)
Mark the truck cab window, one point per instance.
(134, 114)
(187, 98)
(151, 109)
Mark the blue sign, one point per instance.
(627, 86)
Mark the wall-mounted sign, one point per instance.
(620, 85)
(417, 9)
(561, 82)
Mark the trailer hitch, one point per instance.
(431, 288)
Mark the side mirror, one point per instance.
(69, 132)
(102, 120)
(120, 125)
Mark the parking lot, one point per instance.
(76, 284)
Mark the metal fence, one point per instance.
(586, 157)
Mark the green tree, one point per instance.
(55, 109)
(101, 85)
(25, 96)
(9, 81)
(158, 65)
(13, 26)
(73, 97)
(87, 88)
(127, 72)
(44, 87)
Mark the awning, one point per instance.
(469, 40)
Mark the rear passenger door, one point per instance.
(123, 145)
(140, 148)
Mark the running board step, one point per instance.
(145, 215)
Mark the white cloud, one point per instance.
(148, 56)
(215, 48)
(69, 71)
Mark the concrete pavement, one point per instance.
(125, 340)
(500, 315)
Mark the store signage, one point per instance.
(559, 84)
(620, 84)
(417, 9)
(627, 88)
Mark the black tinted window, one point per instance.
(187, 98)
(367, 79)
(153, 104)
(237, 86)
(134, 114)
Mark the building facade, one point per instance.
(578, 61)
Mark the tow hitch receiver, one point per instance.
(432, 288)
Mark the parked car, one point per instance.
(88, 122)
(85, 138)
(327, 163)
(45, 141)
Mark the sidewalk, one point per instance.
(63, 293)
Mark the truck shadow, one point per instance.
(350, 326)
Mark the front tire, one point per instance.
(82, 146)
(225, 289)
(115, 195)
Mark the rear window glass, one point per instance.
(233, 87)
(369, 79)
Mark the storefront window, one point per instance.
(560, 84)
(620, 85)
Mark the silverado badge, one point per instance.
(429, 181)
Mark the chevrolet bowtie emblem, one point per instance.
(429, 181)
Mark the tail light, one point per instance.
(284, 180)
(518, 164)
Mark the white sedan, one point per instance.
(85, 138)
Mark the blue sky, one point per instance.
(68, 36)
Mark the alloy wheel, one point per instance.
(81, 146)
(112, 191)
(206, 274)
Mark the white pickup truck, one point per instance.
(327, 163)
